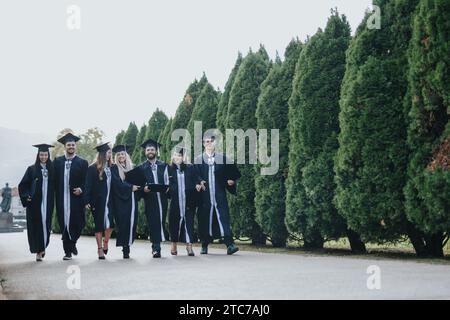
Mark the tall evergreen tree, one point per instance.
(138, 156)
(119, 137)
(130, 136)
(205, 110)
(241, 115)
(314, 126)
(156, 125)
(222, 109)
(184, 111)
(371, 161)
(272, 112)
(428, 106)
(164, 139)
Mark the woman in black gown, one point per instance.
(37, 195)
(183, 195)
(98, 197)
(124, 197)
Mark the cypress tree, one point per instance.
(272, 112)
(184, 110)
(222, 109)
(119, 137)
(156, 125)
(164, 139)
(372, 156)
(205, 110)
(138, 156)
(427, 105)
(314, 109)
(130, 136)
(241, 115)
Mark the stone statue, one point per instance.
(6, 201)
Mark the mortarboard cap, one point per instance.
(68, 137)
(151, 143)
(43, 147)
(121, 148)
(180, 149)
(103, 147)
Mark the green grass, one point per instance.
(341, 248)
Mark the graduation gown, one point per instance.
(69, 207)
(98, 196)
(156, 202)
(213, 212)
(183, 201)
(125, 208)
(38, 184)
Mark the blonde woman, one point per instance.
(124, 200)
(98, 197)
(183, 195)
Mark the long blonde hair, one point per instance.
(123, 169)
(185, 158)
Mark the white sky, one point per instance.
(132, 56)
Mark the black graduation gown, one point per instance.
(77, 179)
(125, 208)
(98, 196)
(214, 221)
(39, 223)
(181, 226)
(156, 202)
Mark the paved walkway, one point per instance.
(246, 275)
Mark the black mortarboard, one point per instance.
(103, 147)
(180, 149)
(68, 137)
(121, 148)
(151, 143)
(43, 147)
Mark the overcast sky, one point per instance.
(132, 56)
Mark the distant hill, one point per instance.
(17, 153)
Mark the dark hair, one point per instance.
(49, 164)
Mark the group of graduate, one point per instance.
(110, 191)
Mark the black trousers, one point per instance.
(68, 245)
(207, 239)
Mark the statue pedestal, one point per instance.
(7, 224)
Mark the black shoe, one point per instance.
(190, 252)
(68, 256)
(156, 254)
(75, 250)
(100, 255)
(232, 249)
(126, 252)
(204, 250)
(105, 251)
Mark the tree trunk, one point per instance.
(356, 243)
(258, 237)
(314, 242)
(279, 243)
(434, 245)
(416, 238)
